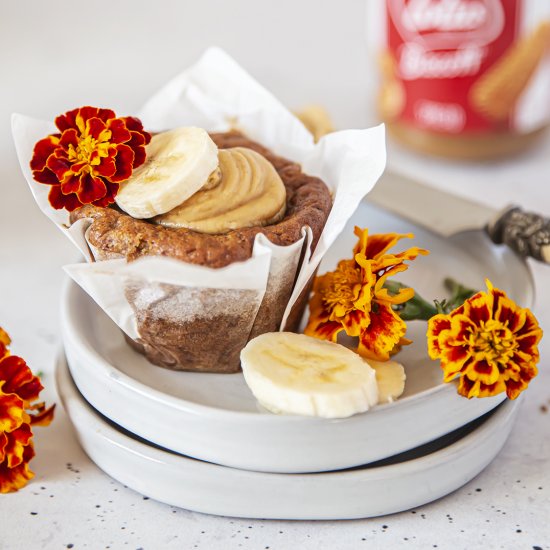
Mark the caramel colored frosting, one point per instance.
(246, 191)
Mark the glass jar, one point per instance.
(465, 79)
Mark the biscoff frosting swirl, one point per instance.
(249, 192)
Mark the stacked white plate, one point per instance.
(202, 442)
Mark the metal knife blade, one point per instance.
(446, 214)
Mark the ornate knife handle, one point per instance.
(526, 233)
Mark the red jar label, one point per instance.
(456, 66)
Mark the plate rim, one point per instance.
(69, 331)
(506, 410)
(491, 435)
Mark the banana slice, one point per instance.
(390, 376)
(298, 374)
(179, 162)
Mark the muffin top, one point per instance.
(308, 203)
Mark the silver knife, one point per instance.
(526, 233)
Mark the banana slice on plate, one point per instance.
(390, 377)
(297, 374)
(179, 162)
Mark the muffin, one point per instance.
(187, 328)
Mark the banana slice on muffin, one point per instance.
(179, 162)
(297, 374)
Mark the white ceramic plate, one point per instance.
(407, 482)
(216, 418)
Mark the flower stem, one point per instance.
(459, 293)
(417, 308)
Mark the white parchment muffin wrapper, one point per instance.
(218, 95)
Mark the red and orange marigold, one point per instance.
(19, 390)
(352, 298)
(91, 155)
(489, 342)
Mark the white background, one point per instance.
(57, 55)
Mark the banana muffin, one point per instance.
(204, 330)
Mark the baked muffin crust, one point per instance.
(115, 233)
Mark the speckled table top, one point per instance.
(71, 503)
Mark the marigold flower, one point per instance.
(489, 342)
(352, 298)
(91, 155)
(19, 390)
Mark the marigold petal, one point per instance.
(83, 115)
(387, 262)
(109, 198)
(42, 150)
(454, 357)
(382, 276)
(436, 325)
(61, 167)
(378, 244)
(17, 441)
(411, 253)
(71, 185)
(515, 387)
(12, 411)
(66, 120)
(106, 168)
(45, 176)
(530, 327)
(319, 325)
(528, 343)
(91, 189)
(404, 295)
(124, 161)
(528, 371)
(324, 330)
(135, 125)
(461, 328)
(384, 332)
(97, 128)
(365, 292)
(19, 379)
(355, 321)
(487, 372)
(363, 235)
(13, 479)
(4, 351)
(5, 341)
(478, 308)
(58, 200)
(119, 131)
(140, 156)
(398, 347)
(469, 388)
(105, 114)
(44, 416)
(69, 137)
(137, 139)
(3, 445)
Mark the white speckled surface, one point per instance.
(58, 54)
